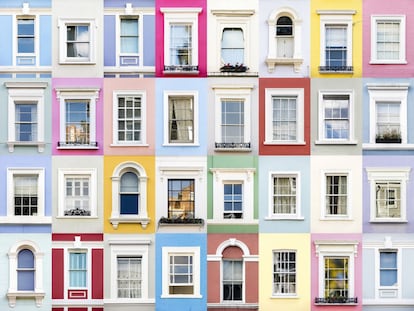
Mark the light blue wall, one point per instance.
(182, 85)
(46, 41)
(269, 164)
(181, 240)
(6, 40)
(19, 3)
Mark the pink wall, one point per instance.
(202, 33)
(76, 83)
(357, 271)
(130, 84)
(375, 7)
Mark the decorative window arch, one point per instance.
(129, 195)
(25, 260)
(284, 39)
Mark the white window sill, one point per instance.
(181, 296)
(129, 301)
(181, 145)
(40, 145)
(336, 218)
(282, 142)
(232, 221)
(336, 142)
(115, 221)
(41, 220)
(388, 62)
(375, 146)
(271, 218)
(388, 220)
(38, 296)
(116, 145)
(285, 296)
(77, 62)
(272, 62)
(77, 147)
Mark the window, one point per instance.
(26, 114)
(181, 115)
(388, 113)
(285, 39)
(336, 271)
(77, 41)
(336, 197)
(77, 192)
(25, 273)
(77, 270)
(77, 118)
(284, 116)
(129, 277)
(129, 270)
(284, 273)
(336, 114)
(129, 195)
(181, 198)
(388, 193)
(180, 39)
(129, 35)
(233, 120)
(388, 39)
(336, 41)
(388, 268)
(181, 119)
(181, 272)
(25, 270)
(232, 46)
(129, 112)
(232, 280)
(25, 36)
(284, 201)
(233, 200)
(25, 195)
(233, 191)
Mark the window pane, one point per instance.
(388, 268)
(25, 36)
(336, 195)
(388, 199)
(284, 123)
(129, 35)
(232, 121)
(336, 45)
(336, 116)
(232, 46)
(77, 269)
(232, 279)
(388, 40)
(233, 201)
(388, 120)
(181, 198)
(284, 195)
(26, 122)
(129, 119)
(77, 41)
(77, 200)
(284, 26)
(336, 277)
(25, 195)
(284, 273)
(180, 44)
(77, 122)
(181, 120)
(129, 277)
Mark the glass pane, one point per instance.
(232, 46)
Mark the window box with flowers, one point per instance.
(234, 68)
(389, 137)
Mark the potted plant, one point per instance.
(391, 136)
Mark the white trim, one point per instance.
(142, 216)
(300, 115)
(193, 251)
(388, 18)
(194, 95)
(138, 93)
(92, 174)
(401, 174)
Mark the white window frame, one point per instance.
(62, 25)
(242, 93)
(345, 248)
(26, 92)
(272, 59)
(89, 95)
(348, 176)
(92, 174)
(374, 53)
(194, 95)
(193, 251)
(128, 59)
(22, 171)
(351, 117)
(233, 19)
(26, 59)
(400, 174)
(39, 292)
(389, 93)
(300, 117)
(284, 295)
(143, 95)
(336, 17)
(142, 217)
(130, 248)
(387, 292)
(181, 16)
(298, 215)
(222, 176)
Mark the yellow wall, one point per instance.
(357, 36)
(110, 163)
(298, 242)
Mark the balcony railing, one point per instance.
(181, 69)
(77, 212)
(232, 146)
(336, 300)
(77, 144)
(181, 221)
(349, 69)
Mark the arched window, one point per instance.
(284, 35)
(25, 270)
(232, 274)
(129, 194)
(129, 199)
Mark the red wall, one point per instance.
(57, 274)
